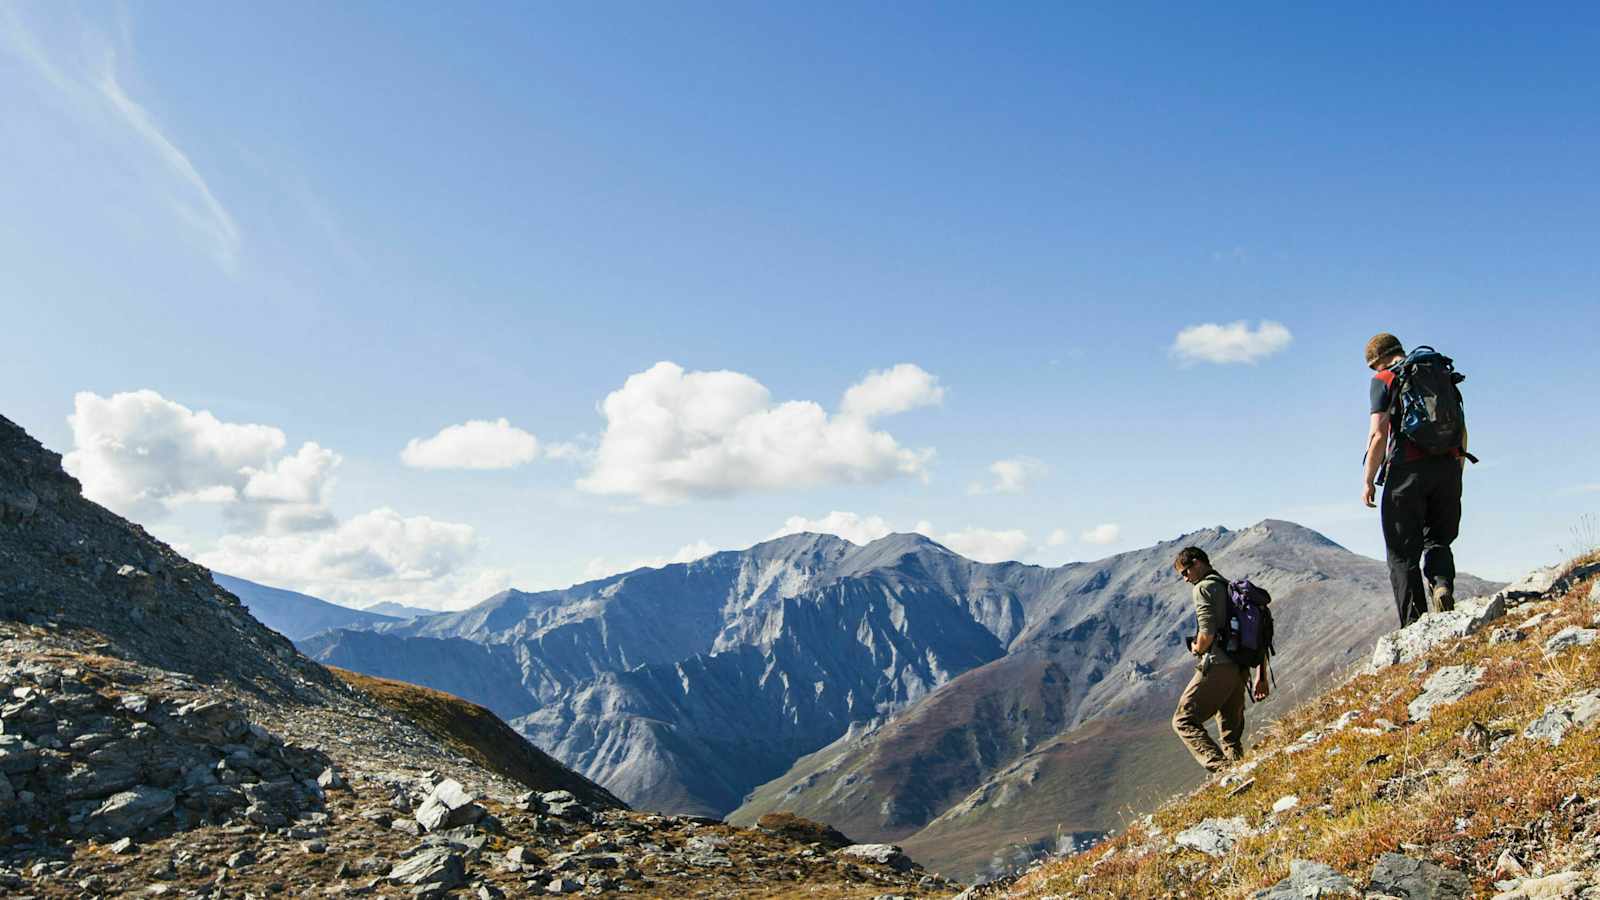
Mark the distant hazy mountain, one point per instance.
(399, 610)
(296, 616)
(893, 690)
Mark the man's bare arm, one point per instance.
(1203, 641)
(1377, 449)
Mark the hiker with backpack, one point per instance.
(1233, 634)
(1416, 447)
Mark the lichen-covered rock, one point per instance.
(1570, 636)
(1213, 837)
(1562, 716)
(1309, 880)
(1447, 685)
(1416, 879)
(1432, 629)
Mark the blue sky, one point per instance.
(359, 225)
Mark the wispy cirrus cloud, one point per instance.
(85, 71)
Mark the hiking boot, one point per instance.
(1441, 597)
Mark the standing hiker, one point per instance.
(1416, 443)
(1219, 683)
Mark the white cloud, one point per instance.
(1234, 343)
(981, 544)
(378, 555)
(891, 391)
(600, 567)
(477, 444)
(1108, 533)
(1058, 538)
(1011, 476)
(673, 435)
(142, 455)
(852, 527)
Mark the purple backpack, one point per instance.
(1249, 623)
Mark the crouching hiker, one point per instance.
(1220, 682)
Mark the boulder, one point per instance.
(1570, 636)
(1415, 879)
(1534, 584)
(1213, 837)
(1432, 629)
(448, 806)
(1447, 685)
(880, 854)
(1560, 886)
(439, 868)
(130, 811)
(1309, 879)
(1577, 711)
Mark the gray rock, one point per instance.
(1504, 635)
(330, 780)
(1307, 881)
(1534, 584)
(439, 867)
(448, 806)
(122, 846)
(1578, 711)
(1432, 629)
(1447, 685)
(1414, 879)
(1213, 837)
(879, 854)
(1570, 636)
(563, 886)
(130, 811)
(241, 859)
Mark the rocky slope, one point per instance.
(295, 615)
(157, 739)
(998, 762)
(1462, 760)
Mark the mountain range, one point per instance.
(895, 690)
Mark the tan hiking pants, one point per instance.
(1217, 691)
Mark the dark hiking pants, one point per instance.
(1217, 691)
(1421, 515)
